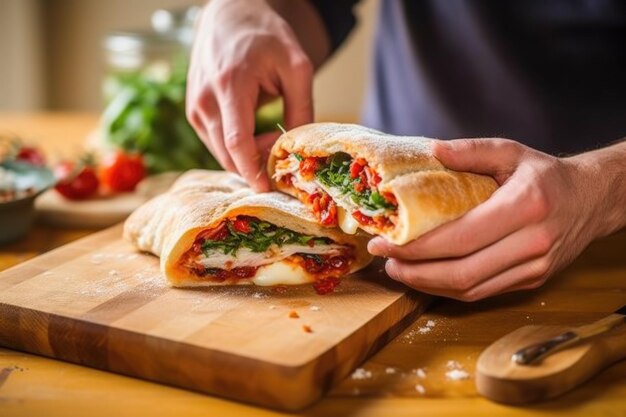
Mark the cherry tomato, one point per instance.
(76, 182)
(242, 225)
(31, 155)
(122, 172)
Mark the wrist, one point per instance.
(308, 27)
(601, 176)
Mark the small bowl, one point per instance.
(16, 216)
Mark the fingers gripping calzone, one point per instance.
(356, 177)
(211, 229)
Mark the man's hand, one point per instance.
(545, 213)
(245, 53)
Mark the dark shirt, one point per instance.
(548, 73)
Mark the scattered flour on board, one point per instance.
(455, 371)
(430, 324)
(360, 373)
(390, 370)
(420, 372)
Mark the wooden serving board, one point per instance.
(99, 303)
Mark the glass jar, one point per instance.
(144, 96)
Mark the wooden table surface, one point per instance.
(388, 384)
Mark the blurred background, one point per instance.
(54, 58)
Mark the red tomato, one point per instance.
(389, 197)
(375, 180)
(356, 167)
(218, 233)
(308, 167)
(122, 172)
(31, 155)
(329, 214)
(362, 218)
(325, 285)
(338, 262)
(361, 185)
(76, 182)
(242, 225)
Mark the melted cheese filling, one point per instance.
(346, 222)
(345, 205)
(281, 273)
(245, 257)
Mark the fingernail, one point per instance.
(390, 269)
(376, 247)
(445, 144)
(372, 246)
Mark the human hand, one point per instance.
(545, 213)
(244, 55)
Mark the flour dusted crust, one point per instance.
(167, 225)
(428, 194)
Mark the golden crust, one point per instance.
(167, 225)
(428, 194)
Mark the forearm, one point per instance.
(606, 169)
(308, 26)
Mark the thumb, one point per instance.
(480, 156)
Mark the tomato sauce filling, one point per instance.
(356, 177)
(325, 270)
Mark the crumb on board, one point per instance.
(272, 307)
(430, 323)
(543, 304)
(314, 308)
(293, 314)
(420, 388)
(307, 328)
(457, 375)
(420, 372)
(360, 373)
(390, 370)
(455, 371)
(258, 295)
(424, 330)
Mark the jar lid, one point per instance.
(166, 20)
(130, 42)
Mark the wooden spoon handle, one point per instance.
(535, 352)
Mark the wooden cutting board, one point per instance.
(99, 303)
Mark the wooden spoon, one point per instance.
(565, 363)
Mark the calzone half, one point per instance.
(211, 229)
(361, 178)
